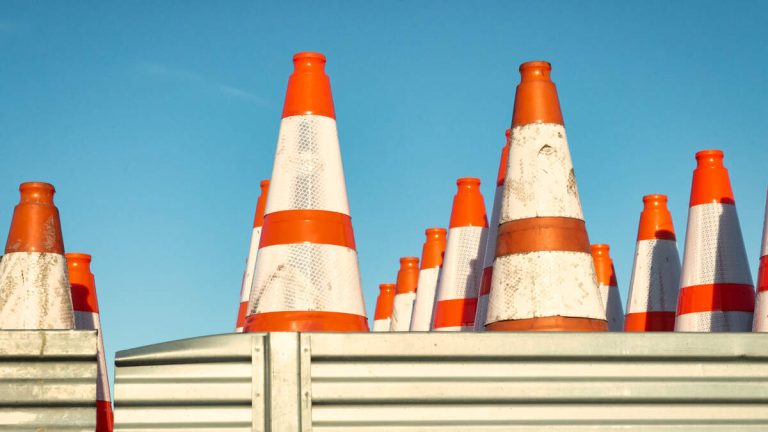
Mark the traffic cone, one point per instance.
(34, 289)
(86, 307)
(490, 247)
(656, 272)
(716, 291)
(307, 276)
(431, 262)
(761, 302)
(543, 276)
(405, 293)
(609, 287)
(250, 263)
(382, 318)
(459, 282)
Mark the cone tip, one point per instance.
(537, 70)
(435, 232)
(308, 55)
(655, 199)
(713, 158)
(409, 260)
(600, 248)
(78, 256)
(468, 181)
(508, 133)
(264, 184)
(39, 192)
(387, 287)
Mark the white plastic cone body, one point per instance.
(424, 304)
(402, 311)
(250, 266)
(90, 321)
(488, 258)
(761, 301)
(382, 325)
(655, 278)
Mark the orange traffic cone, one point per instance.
(490, 247)
(382, 318)
(34, 289)
(405, 294)
(307, 276)
(431, 262)
(250, 263)
(716, 291)
(462, 270)
(656, 271)
(86, 306)
(761, 302)
(609, 287)
(543, 276)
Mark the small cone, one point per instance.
(307, 276)
(609, 287)
(86, 307)
(761, 302)
(490, 247)
(656, 272)
(459, 282)
(405, 294)
(542, 228)
(382, 318)
(431, 262)
(250, 263)
(716, 291)
(34, 289)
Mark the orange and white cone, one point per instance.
(431, 262)
(382, 318)
(86, 307)
(543, 276)
(250, 263)
(656, 272)
(34, 289)
(761, 302)
(459, 281)
(609, 287)
(716, 291)
(405, 293)
(307, 276)
(490, 247)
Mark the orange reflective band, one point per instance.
(655, 219)
(456, 313)
(485, 282)
(552, 323)
(309, 88)
(307, 226)
(385, 302)
(536, 97)
(716, 297)
(104, 416)
(305, 321)
(434, 248)
(242, 310)
(261, 203)
(468, 205)
(542, 234)
(710, 180)
(35, 226)
(649, 322)
(762, 274)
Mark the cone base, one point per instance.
(553, 323)
(305, 321)
(650, 322)
(104, 416)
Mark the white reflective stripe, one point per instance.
(382, 325)
(761, 312)
(402, 310)
(306, 277)
(715, 321)
(453, 329)
(462, 263)
(91, 321)
(307, 173)
(614, 313)
(482, 312)
(493, 228)
(424, 305)
(250, 264)
(34, 292)
(238, 330)
(764, 248)
(714, 248)
(655, 277)
(540, 179)
(543, 284)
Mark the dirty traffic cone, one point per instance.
(761, 302)
(86, 307)
(405, 293)
(609, 287)
(431, 262)
(652, 298)
(34, 289)
(490, 247)
(542, 231)
(716, 291)
(307, 276)
(382, 318)
(462, 270)
(250, 263)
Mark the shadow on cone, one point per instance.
(609, 286)
(431, 261)
(405, 293)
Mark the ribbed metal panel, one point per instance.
(47, 380)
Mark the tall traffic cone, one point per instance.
(609, 287)
(716, 291)
(86, 306)
(405, 293)
(761, 302)
(382, 318)
(543, 276)
(490, 247)
(459, 284)
(307, 276)
(250, 263)
(34, 289)
(431, 262)
(656, 272)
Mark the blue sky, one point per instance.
(156, 121)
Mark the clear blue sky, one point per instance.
(156, 120)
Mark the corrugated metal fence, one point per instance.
(439, 382)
